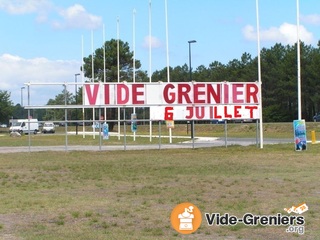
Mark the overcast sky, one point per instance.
(41, 40)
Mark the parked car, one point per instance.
(218, 121)
(48, 127)
(316, 118)
(243, 120)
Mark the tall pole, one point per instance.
(92, 73)
(22, 95)
(134, 57)
(168, 65)
(259, 75)
(134, 43)
(82, 81)
(104, 66)
(104, 54)
(298, 62)
(118, 50)
(190, 69)
(29, 135)
(92, 58)
(150, 74)
(167, 42)
(118, 69)
(75, 92)
(150, 49)
(65, 116)
(190, 79)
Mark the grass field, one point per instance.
(130, 194)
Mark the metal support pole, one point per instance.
(100, 124)
(29, 137)
(124, 129)
(65, 118)
(187, 127)
(29, 134)
(192, 128)
(257, 132)
(192, 132)
(75, 91)
(225, 133)
(190, 79)
(159, 135)
(22, 101)
(94, 121)
(66, 129)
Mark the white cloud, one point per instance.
(16, 71)
(313, 19)
(24, 6)
(285, 33)
(21, 7)
(155, 42)
(76, 16)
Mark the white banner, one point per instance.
(204, 112)
(156, 94)
(180, 101)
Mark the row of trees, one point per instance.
(6, 106)
(8, 110)
(279, 79)
(278, 71)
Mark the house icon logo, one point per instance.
(186, 218)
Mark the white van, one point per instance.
(22, 126)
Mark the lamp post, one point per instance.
(22, 95)
(75, 91)
(190, 79)
(22, 100)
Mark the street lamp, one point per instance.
(22, 95)
(22, 100)
(75, 91)
(190, 79)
